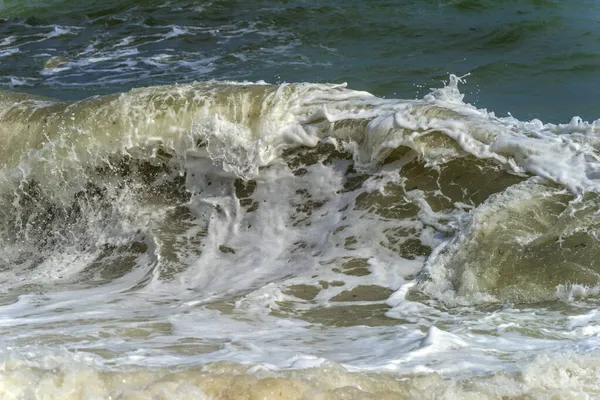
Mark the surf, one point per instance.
(267, 225)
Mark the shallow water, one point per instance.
(212, 235)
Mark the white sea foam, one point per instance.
(61, 31)
(175, 32)
(9, 52)
(291, 274)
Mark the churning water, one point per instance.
(211, 235)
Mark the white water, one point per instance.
(298, 285)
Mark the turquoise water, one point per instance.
(534, 59)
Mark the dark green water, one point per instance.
(534, 58)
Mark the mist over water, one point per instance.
(179, 221)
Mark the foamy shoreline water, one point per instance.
(210, 235)
(287, 231)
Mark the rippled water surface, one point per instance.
(533, 59)
(193, 204)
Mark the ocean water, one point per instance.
(299, 199)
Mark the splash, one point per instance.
(270, 224)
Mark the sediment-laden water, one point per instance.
(210, 235)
